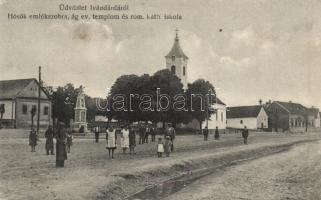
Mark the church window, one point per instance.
(184, 71)
(173, 58)
(173, 69)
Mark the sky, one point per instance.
(266, 49)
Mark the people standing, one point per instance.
(69, 140)
(96, 130)
(111, 141)
(172, 134)
(33, 137)
(49, 135)
(141, 134)
(153, 134)
(205, 133)
(245, 134)
(168, 146)
(125, 139)
(160, 148)
(217, 134)
(147, 133)
(61, 152)
(132, 140)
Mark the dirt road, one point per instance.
(295, 174)
(90, 174)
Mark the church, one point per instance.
(176, 62)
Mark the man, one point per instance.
(33, 137)
(245, 134)
(141, 134)
(153, 133)
(205, 133)
(96, 130)
(61, 152)
(172, 134)
(49, 135)
(217, 134)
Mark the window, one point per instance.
(34, 107)
(184, 71)
(24, 109)
(241, 121)
(173, 69)
(46, 110)
(173, 58)
(222, 116)
(216, 115)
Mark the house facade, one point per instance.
(290, 116)
(253, 117)
(19, 97)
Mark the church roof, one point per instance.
(176, 50)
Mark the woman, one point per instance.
(125, 139)
(132, 140)
(111, 141)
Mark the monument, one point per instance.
(80, 123)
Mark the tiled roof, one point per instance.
(10, 88)
(243, 111)
(294, 108)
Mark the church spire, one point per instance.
(176, 50)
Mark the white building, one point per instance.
(217, 119)
(253, 117)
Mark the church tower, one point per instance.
(176, 62)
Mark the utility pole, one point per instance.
(39, 93)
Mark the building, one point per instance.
(176, 62)
(316, 121)
(289, 116)
(253, 117)
(19, 97)
(217, 119)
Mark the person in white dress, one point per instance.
(125, 139)
(111, 141)
(160, 148)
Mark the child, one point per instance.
(168, 146)
(160, 147)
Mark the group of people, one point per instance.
(206, 132)
(245, 134)
(63, 138)
(125, 138)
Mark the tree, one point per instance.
(200, 96)
(63, 102)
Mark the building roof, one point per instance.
(218, 101)
(294, 108)
(314, 111)
(243, 111)
(176, 50)
(10, 89)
